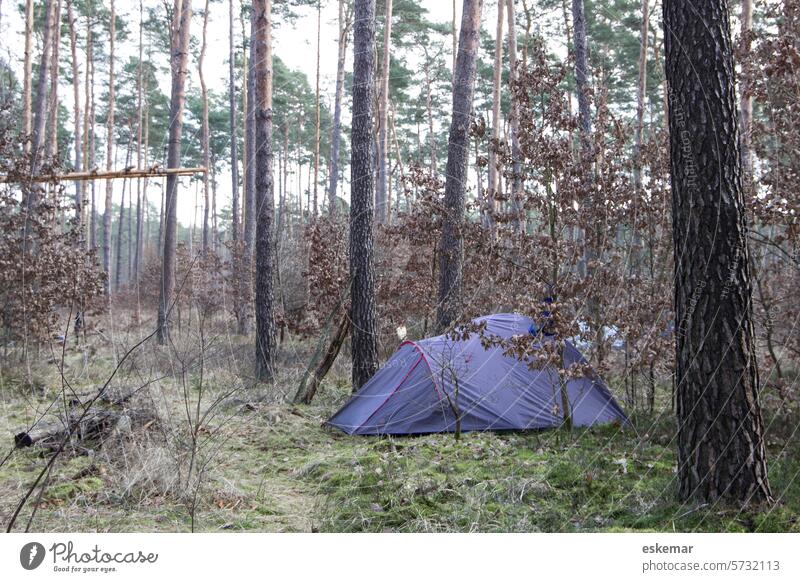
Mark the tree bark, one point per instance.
(233, 130)
(721, 449)
(266, 345)
(109, 153)
(27, 77)
(745, 99)
(139, 129)
(496, 121)
(180, 55)
(336, 132)
(641, 95)
(205, 133)
(451, 249)
(40, 106)
(364, 338)
(520, 218)
(245, 313)
(76, 112)
(317, 112)
(52, 112)
(382, 202)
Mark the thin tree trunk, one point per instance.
(76, 111)
(498, 67)
(109, 154)
(520, 219)
(180, 55)
(205, 132)
(721, 450)
(139, 130)
(121, 224)
(249, 207)
(382, 204)
(641, 95)
(333, 178)
(40, 107)
(451, 249)
(233, 127)
(27, 77)
(52, 117)
(266, 343)
(92, 160)
(362, 307)
(746, 99)
(317, 111)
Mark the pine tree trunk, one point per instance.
(745, 99)
(205, 133)
(266, 343)
(179, 57)
(333, 178)
(362, 309)
(90, 129)
(382, 203)
(721, 449)
(40, 106)
(498, 67)
(317, 112)
(233, 131)
(641, 95)
(251, 155)
(27, 77)
(76, 114)
(52, 112)
(109, 153)
(520, 218)
(451, 249)
(137, 259)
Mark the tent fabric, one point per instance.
(426, 385)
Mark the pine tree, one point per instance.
(362, 294)
(721, 449)
(451, 249)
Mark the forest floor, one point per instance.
(255, 463)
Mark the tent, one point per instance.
(415, 391)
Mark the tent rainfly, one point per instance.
(425, 384)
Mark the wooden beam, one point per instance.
(154, 172)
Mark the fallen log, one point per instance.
(95, 425)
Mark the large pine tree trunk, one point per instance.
(333, 178)
(720, 431)
(451, 249)
(362, 310)
(109, 152)
(180, 56)
(382, 197)
(266, 344)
